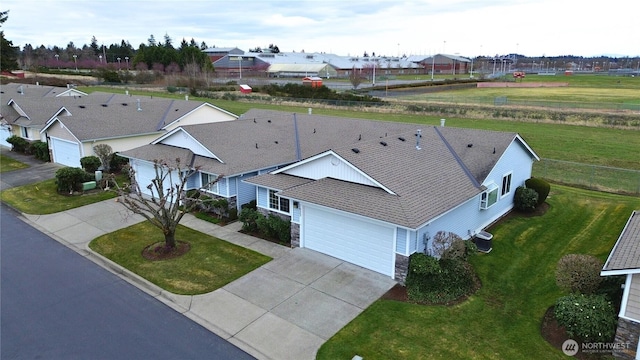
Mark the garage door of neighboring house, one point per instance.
(348, 238)
(65, 152)
(5, 132)
(145, 173)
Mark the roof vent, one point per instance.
(469, 145)
(125, 104)
(402, 139)
(360, 137)
(494, 150)
(269, 121)
(105, 105)
(355, 150)
(276, 141)
(383, 143)
(139, 108)
(418, 136)
(81, 106)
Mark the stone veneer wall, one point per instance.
(627, 333)
(295, 235)
(402, 266)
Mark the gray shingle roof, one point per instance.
(625, 254)
(425, 183)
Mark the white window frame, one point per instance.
(508, 176)
(487, 200)
(276, 202)
(212, 188)
(24, 131)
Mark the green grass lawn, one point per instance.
(9, 164)
(42, 198)
(210, 264)
(502, 320)
(585, 144)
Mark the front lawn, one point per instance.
(9, 164)
(210, 264)
(43, 198)
(502, 320)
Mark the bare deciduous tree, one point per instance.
(103, 152)
(443, 241)
(167, 201)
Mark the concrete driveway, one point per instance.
(286, 309)
(290, 306)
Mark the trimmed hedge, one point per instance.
(579, 273)
(430, 280)
(525, 199)
(541, 186)
(90, 163)
(19, 144)
(70, 179)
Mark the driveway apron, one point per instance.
(286, 309)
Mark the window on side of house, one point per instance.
(278, 203)
(206, 182)
(506, 185)
(489, 196)
(25, 132)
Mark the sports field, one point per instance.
(587, 89)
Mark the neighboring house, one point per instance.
(123, 122)
(624, 259)
(368, 192)
(26, 108)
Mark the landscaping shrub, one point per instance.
(90, 163)
(438, 281)
(40, 150)
(579, 273)
(248, 217)
(442, 241)
(540, 186)
(280, 227)
(19, 144)
(117, 162)
(69, 179)
(250, 205)
(525, 199)
(264, 227)
(590, 318)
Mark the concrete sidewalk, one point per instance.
(286, 309)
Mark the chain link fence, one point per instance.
(600, 178)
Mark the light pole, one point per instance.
(75, 60)
(240, 66)
(118, 63)
(57, 60)
(100, 56)
(126, 58)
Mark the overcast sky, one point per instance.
(343, 27)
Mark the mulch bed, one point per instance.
(159, 251)
(556, 335)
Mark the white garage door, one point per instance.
(145, 173)
(363, 243)
(5, 132)
(65, 152)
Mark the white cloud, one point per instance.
(469, 27)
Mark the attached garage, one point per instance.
(65, 152)
(5, 132)
(349, 238)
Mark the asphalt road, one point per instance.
(55, 304)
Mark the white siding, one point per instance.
(330, 166)
(183, 140)
(467, 219)
(356, 240)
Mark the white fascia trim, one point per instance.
(331, 153)
(161, 138)
(17, 107)
(524, 143)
